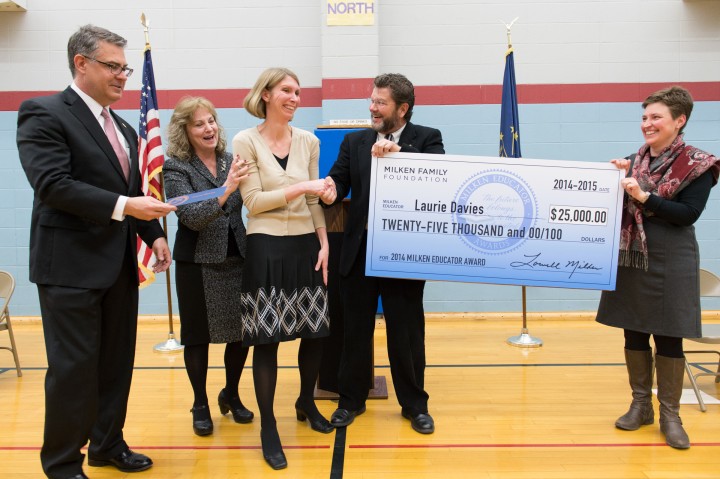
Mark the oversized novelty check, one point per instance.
(494, 220)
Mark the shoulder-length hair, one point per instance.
(178, 143)
(254, 103)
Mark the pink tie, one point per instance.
(119, 149)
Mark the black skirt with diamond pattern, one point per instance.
(283, 297)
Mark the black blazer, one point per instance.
(352, 170)
(77, 179)
(202, 235)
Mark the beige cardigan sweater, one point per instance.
(262, 190)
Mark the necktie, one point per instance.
(115, 142)
(389, 137)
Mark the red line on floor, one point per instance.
(510, 446)
(172, 448)
(397, 446)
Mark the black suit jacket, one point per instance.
(352, 170)
(202, 235)
(77, 179)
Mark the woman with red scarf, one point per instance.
(657, 291)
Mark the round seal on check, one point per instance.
(493, 211)
(178, 200)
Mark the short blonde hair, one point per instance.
(254, 103)
(179, 146)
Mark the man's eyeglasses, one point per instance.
(377, 103)
(114, 68)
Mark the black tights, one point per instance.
(196, 365)
(667, 346)
(265, 378)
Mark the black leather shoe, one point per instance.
(272, 449)
(78, 476)
(343, 417)
(319, 424)
(276, 460)
(202, 422)
(422, 423)
(240, 413)
(126, 461)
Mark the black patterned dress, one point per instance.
(284, 298)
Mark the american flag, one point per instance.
(151, 158)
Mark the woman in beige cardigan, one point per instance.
(284, 294)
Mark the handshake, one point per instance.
(324, 189)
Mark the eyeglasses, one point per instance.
(378, 103)
(114, 68)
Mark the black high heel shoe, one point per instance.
(240, 413)
(319, 424)
(202, 422)
(272, 449)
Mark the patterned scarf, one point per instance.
(676, 167)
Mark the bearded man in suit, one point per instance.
(81, 160)
(391, 107)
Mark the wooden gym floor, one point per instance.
(500, 412)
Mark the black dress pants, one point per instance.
(90, 342)
(402, 301)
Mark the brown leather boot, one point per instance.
(670, 375)
(640, 372)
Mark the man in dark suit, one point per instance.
(82, 163)
(391, 106)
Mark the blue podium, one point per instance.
(330, 140)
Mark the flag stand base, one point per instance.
(169, 346)
(524, 340)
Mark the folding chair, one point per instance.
(7, 286)
(710, 287)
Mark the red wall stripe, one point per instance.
(167, 99)
(360, 88)
(346, 88)
(342, 89)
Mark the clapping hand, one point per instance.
(238, 171)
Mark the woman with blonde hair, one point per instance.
(209, 253)
(284, 294)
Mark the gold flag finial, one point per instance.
(146, 24)
(508, 27)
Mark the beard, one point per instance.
(388, 124)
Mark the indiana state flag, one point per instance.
(509, 121)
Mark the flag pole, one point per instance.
(170, 345)
(524, 339)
